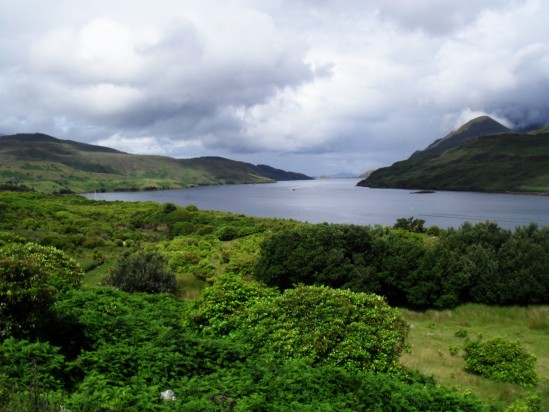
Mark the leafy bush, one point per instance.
(217, 308)
(143, 272)
(501, 360)
(295, 385)
(31, 278)
(530, 402)
(26, 364)
(327, 326)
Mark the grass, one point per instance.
(189, 287)
(436, 336)
(95, 277)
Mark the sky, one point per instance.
(313, 86)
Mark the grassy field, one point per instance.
(434, 344)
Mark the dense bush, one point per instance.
(143, 272)
(25, 364)
(479, 263)
(134, 346)
(328, 326)
(315, 254)
(501, 360)
(32, 277)
(217, 310)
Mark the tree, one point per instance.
(327, 254)
(31, 279)
(410, 224)
(143, 272)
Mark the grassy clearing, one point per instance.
(95, 277)
(437, 339)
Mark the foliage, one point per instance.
(324, 325)
(502, 360)
(31, 278)
(125, 349)
(410, 224)
(298, 386)
(143, 272)
(531, 402)
(216, 311)
(97, 233)
(24, 364)
(314, 254)
(479, 263)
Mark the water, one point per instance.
(341, 201)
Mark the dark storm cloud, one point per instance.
(318, 86)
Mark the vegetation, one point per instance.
(328, 326)
(515, 163)
(226, 341)
(31, 278)
(481, 156)
(479, 263)
(143, 272)
(46, 164)
(502, 360)
(437, 339)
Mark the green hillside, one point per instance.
(47, 164)
(508, 162)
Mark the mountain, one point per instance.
(482, 155)
(47, 164)
(481, 126)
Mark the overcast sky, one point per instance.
(314, 86)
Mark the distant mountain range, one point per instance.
(47, 164)
(482, 155)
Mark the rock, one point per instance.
(168, 395)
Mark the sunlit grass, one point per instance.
(96, 277)
(434, 345)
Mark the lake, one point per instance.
(341, 201)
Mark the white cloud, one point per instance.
(135, 145)
(321, 84)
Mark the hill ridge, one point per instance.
(482, 155)
(48, 164)
(477, 127)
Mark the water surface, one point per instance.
(341, 201)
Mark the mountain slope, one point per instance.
(48, 164)
(507, 161)
(478, 127)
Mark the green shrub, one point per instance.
(31, 278)
(530, 402)
(216, 310)
(501, 360)
(27, 364)
(327, 326)
(143, 272)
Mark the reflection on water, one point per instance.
(341, 201)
